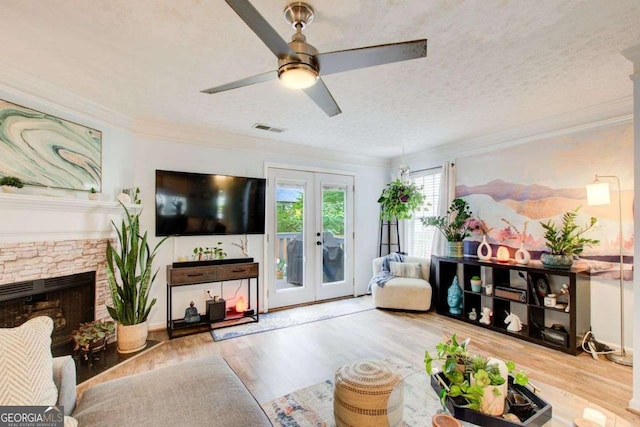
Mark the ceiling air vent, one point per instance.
(268, 128)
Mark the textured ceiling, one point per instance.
(492, 65)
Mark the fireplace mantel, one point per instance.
(29, 218)
(47, 203)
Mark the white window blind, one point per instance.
(421, 238)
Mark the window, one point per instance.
(421, 238)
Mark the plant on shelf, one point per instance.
(399, 200)
(479, 381)
(454, 225)
(8, 183)
(217, 252)
(568, 241)
(92, 335)
(130, 276)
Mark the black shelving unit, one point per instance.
(195, 275)
(539, 322)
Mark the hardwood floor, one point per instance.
(278, 362)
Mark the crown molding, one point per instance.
(214, 138)
(20, 85)
(616, 112)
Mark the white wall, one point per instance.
(153, 153)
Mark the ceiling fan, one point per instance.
(299, 63)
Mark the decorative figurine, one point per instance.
(515, 325)
(488, 289)
(473, 315)
(486, 316)
(191, 314)
(564, 290)
(454, 297)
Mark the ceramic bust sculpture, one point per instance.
(454, 297)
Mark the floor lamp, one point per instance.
(599, 193)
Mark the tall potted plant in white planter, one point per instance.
(129, 273)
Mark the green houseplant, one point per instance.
(92, 335)
(566, 242)
(399, 200)
(130, 276)
(480, 381)
(454, 225)
(8, 183)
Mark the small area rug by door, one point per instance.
(296, 316)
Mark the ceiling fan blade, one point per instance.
(323, 98)
(261, 27)
(264, 77)
(345, 60)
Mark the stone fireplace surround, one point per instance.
(24, 261)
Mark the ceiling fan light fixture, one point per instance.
(298, 76)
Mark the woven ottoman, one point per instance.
(368, 393)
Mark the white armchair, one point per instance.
(404, 293)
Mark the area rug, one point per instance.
(296, 316)
(313, 406)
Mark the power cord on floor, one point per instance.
(593, 347)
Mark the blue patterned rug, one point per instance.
(296, 316)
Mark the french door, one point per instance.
(310, 240)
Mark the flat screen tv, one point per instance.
(192, 204)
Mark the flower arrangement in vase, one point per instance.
(480, 227)
(522, 256)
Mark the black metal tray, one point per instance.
(541, 415)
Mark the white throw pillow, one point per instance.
(26, 365)
(410, 270)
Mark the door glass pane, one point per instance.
(333, 229)
(289, 250)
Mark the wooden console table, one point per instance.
(190, 275)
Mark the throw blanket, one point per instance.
(385, 273)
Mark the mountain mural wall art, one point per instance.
(541, 180)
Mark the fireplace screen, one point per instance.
(68, 300)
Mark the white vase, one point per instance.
(493, 401)
(522, 255)
(132, 338)
(484, 250)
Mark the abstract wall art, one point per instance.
(48, 151)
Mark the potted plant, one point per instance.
(453, 226)
(129, 273)
(92, 336)
(93, 194)
(399, 200)
(567, 242)
(480, 382)
(476, 284)
(9, 183)
(280, 265)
